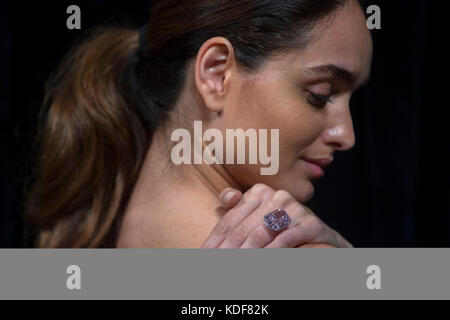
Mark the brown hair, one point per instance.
(110, 94)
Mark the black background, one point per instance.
(391, 190)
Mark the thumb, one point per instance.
(229, 197)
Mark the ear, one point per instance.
(212, 71)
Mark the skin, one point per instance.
(191, 198)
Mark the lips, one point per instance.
(322, 162)
(317, 166)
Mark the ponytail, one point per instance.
(91, 146)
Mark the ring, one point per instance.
(277, 220)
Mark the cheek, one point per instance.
(299, 124)
(300, 128)
(271, 105)
(277, 106)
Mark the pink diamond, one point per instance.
(277, 220)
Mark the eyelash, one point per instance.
(319, 100)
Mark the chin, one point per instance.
(302, 191)
(301, 188)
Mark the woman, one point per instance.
(106, 175)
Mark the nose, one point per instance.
(340, 134)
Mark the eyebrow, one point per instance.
(332, 70)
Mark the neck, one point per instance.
(165, 192)
(215, 177)
(212, 178)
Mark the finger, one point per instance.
(229, 197)
(229, 221)
(340, 241)
(308, 231)
(246, 206)
(291, 238)
(259, 238)
(262, 235)
(298, 216)
(252, 232)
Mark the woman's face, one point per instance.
(305, 94)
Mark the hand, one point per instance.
(243, 227)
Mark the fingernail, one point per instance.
(228, 197)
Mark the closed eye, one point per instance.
(319, 100)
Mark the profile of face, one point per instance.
(305, 93)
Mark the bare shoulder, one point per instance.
(169, 225)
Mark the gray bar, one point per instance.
(236, 274)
